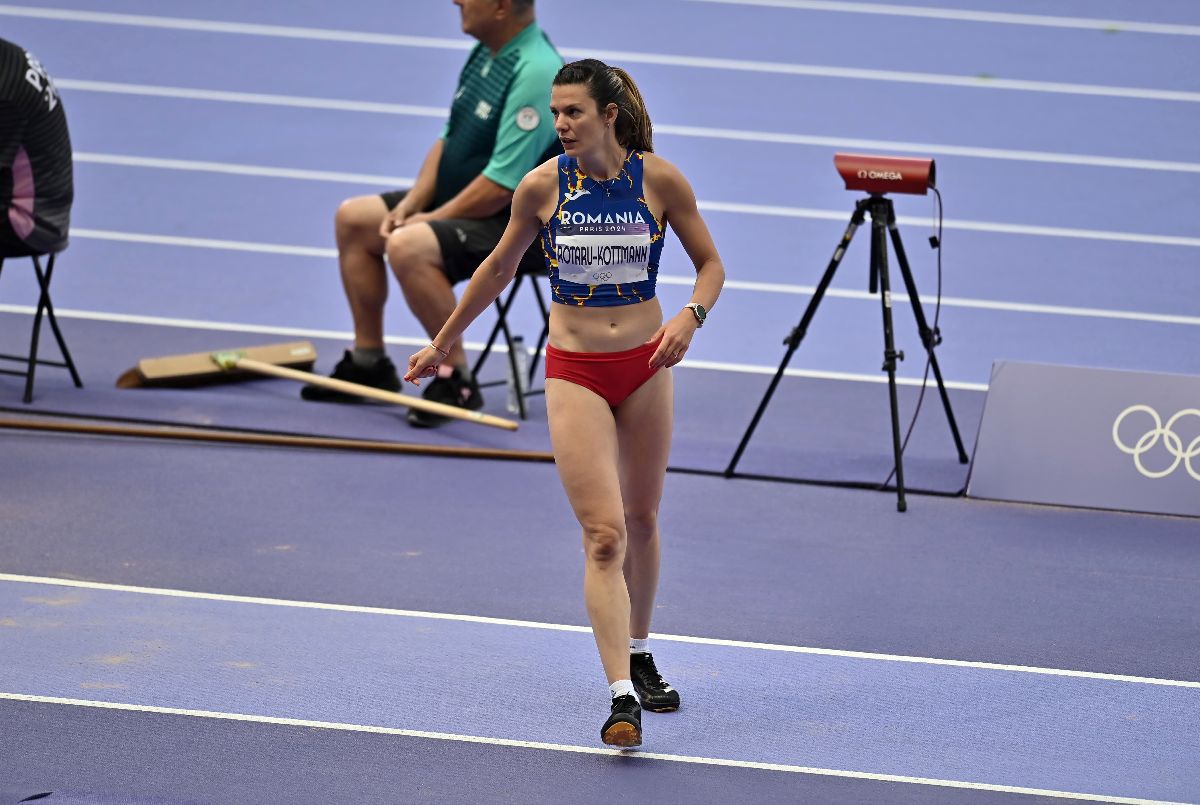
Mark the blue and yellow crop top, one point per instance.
(602, 244)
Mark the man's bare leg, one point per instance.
(360, 258)
(416, 260)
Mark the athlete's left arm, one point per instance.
(680, 212)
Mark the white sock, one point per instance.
(639, 645)
(622, 687)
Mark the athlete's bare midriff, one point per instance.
(604, 329)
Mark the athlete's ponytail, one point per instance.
(638, 132)
(613, 85)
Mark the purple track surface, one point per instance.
(808, 627)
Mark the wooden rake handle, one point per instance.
(360, 390)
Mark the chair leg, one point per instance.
(501, 314)
(537, 353)
(58, 336)
(43, 297)
(513, 366)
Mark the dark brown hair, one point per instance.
(613, 85)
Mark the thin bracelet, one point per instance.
(445, 354)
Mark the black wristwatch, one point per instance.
(698, 311)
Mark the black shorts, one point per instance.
(465, 242)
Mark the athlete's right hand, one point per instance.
(423, 364)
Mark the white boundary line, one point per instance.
(236, 169)
(558, 627)
(582, 750)
(716, 206)
(704, 132)
(629, 57)
(934, 149)
(959, 15)
(297, 332)
(255, 98)
(666, 279)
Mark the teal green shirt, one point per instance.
(500, 123)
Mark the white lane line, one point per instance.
(346, 335)
(973, 226)
(706, 641)
(630, 57)
(243, 28)
(715, 206)
(929, 149)
(950, 301)
(583, 750)
(236, 169)
(203, 243)
(960, 15)
(256, 98)
(666, 279)
(668, 129)
(893, 76)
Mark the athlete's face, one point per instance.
(477, 16)
(580, 125)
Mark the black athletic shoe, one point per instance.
(453, 390)
(624, 726)
(381, 376)
(656, 694)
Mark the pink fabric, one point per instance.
(20, 211)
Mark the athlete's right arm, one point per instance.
(536, 194)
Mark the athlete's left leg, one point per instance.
(644, 421)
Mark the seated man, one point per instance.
(438, 233)
(36, 184)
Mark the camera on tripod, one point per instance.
(875, 174)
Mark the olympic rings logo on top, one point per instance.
(1171, 441)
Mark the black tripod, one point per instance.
(883, 221)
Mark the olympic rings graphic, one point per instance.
(1170, 440)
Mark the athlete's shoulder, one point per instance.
(667, 182)
(537, 190)
(544, 175)
(657, 169)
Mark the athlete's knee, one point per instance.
(641, 524)
(603, 543)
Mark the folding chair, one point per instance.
(501, 328)
(44, 306)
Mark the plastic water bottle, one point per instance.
(518, 385)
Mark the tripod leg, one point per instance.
(797, 335)
(880, 215)
(930, 338)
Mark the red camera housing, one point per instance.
(875, 174)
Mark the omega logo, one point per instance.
(891, 176)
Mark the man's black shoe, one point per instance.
(381, 376)
(624, 726)
(657, 696)
(454, 390)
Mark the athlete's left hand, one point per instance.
(674, 338)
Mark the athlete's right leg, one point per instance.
(583, 434)
(360, 258)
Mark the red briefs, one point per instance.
(612, 375)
